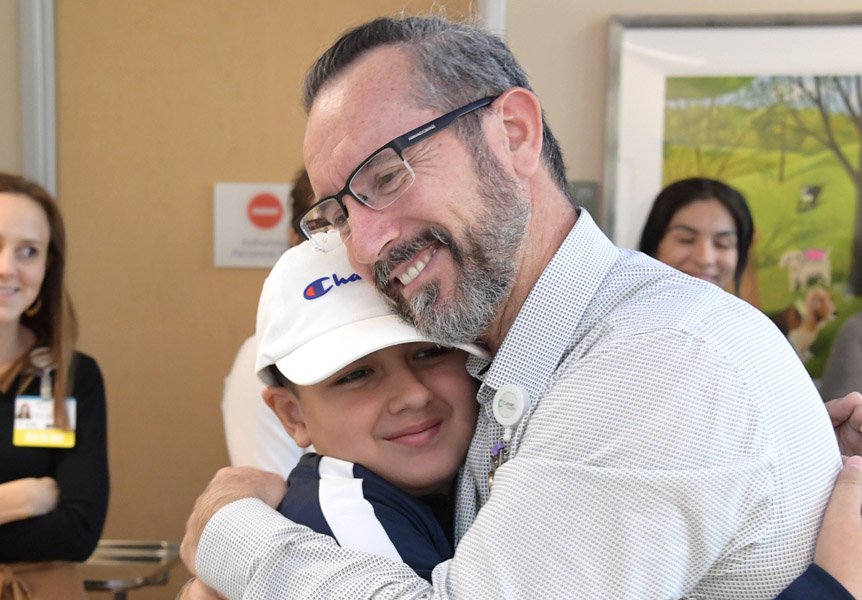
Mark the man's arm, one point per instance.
(838, 546)
(846, 416)
(279, 556)
(229, 484)
(276, 555)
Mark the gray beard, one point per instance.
(486, 266)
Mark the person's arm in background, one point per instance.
(846, 416)
(72, 530)
(27, 497)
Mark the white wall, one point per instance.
(562, 44)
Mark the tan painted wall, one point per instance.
(563, 47)
(158, 99)
(10, 103)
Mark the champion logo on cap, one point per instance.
(320, 287)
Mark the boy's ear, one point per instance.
(285, 405)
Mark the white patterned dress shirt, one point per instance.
(674, 448)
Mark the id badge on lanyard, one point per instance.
(34, 421)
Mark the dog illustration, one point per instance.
(808, 197)
(802, 321)
(806, 268)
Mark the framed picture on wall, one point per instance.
(771, 105)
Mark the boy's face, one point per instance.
(406, 412)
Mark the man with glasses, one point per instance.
(377, 182)
(641, 434)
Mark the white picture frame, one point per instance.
(645, 50)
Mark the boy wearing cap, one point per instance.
(389, 412)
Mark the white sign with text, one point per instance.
(250, 223)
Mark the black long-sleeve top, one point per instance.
(72, 530)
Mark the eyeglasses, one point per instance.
(377, 182)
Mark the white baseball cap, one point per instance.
(316, 316)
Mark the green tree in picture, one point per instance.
(837, 101)
(738, 128)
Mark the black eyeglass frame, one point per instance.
(399, 144)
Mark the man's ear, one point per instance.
(285, 405)
(522, 126)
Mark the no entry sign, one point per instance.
(265, 211)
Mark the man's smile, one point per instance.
(416, 267)
(405, 263)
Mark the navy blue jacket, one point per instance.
(363, 511)
(815, 583)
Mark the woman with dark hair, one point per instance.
(702, 227)
(53, 465)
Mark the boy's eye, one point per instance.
(432, 352)
(352, 376)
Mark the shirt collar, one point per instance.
(543, 331)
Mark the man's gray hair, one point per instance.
(457, 63)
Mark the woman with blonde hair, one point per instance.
(53, 464)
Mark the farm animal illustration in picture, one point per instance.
(809, 196)
(807, 267)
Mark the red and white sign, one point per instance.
(250, 223)
(265, 211)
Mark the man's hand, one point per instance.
(839, 545)
(229, 484)
(846, 415)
